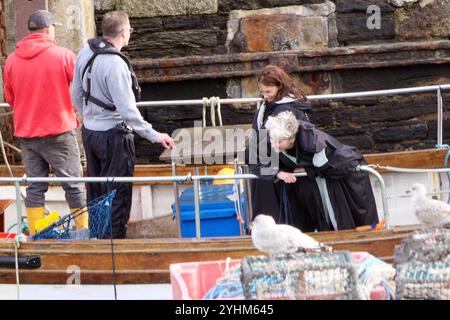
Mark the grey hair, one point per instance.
(283, 126)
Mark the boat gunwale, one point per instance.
(211, 245)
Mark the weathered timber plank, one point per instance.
(324, 59)
(148, 260)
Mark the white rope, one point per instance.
(408, 170)
(219, 111)
(3, 151)
(2, 147)
(216, 102)
(205, 104)
(16, 254)
(212, 105)
(17, 240)
(12, 147)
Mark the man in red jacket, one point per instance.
(37, 77)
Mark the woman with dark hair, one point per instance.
(290, 200)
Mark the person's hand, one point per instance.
(299, 170)
(166, 141)
(286, 177)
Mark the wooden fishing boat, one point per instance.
(148, 260)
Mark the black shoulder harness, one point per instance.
(101, 46)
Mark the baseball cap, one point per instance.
(40, 19)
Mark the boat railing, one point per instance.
(205, 101)
(335, 96)
(195, 179)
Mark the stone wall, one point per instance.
(77, 19)
(211, 27)
(177, 28)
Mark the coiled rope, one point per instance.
(214, 104)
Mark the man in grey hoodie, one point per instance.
(103, 93)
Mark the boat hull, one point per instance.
(147, 260)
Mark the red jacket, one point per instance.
(37, 79)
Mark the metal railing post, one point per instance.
(19, 207)
(239, 200)
(248, 198)
(439, 118)
(177, 200)
(383, 191)
(197, 204)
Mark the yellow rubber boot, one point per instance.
(34, 214)
(82, 221)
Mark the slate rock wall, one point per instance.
(379, 124)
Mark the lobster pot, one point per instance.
(308, 276)
(422, 264)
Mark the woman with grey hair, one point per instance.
(347, 195)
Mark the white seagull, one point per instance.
(273, 239)
(431, 212)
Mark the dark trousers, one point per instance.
(297, 204)
(111, 153)
(62, 154)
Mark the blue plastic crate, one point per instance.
(218, 216)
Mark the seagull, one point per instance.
(431, 212)
(273, 239)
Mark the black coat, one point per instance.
(286, 203)
(350, 192)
